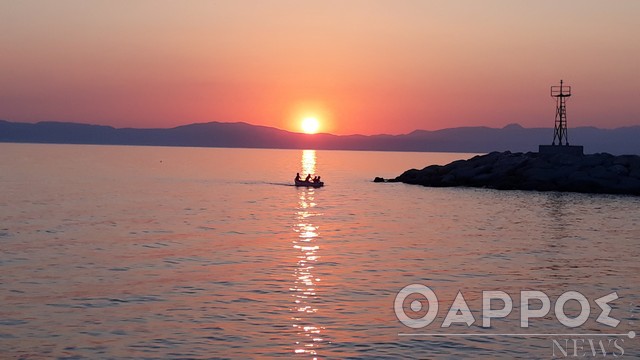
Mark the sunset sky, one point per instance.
(358, 66)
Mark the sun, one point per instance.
(310, 125)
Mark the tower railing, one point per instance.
(561, 91)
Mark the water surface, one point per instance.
(152, 252)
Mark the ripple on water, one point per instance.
(88, 303)
(12, 322)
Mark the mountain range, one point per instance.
(242, 135)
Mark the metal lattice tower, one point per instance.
(561, 93)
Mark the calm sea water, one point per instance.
(151, 252)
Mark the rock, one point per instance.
(619, 169)
(592, 160)
(541, 175)
(623, 160)
(378, 179)
(628, 186)
(599, 172)
(635, 172)
(596, 173)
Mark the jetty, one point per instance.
(596, 173)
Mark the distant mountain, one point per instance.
(218, 134)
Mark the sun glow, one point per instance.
(310, 125)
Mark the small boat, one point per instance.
(309, 183)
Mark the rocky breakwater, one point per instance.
(595, 173)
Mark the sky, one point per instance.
(365, 67)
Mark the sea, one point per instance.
(133, 252)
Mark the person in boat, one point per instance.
(316, 179)
(308, 178)
(298, 177)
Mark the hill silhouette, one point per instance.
(220, 134)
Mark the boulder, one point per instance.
(619, 169)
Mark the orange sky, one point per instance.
(360, 66)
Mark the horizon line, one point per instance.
(510, 125)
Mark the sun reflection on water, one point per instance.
(308, 161)
(307, 249)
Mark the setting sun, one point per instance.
(310, 125)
